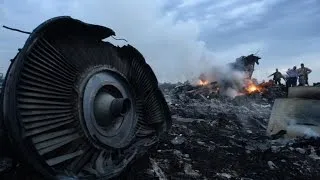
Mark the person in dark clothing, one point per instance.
(277, 77)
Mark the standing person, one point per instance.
(277, 77)
(303, 73)
(292, 77)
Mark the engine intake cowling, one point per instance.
(73, 104)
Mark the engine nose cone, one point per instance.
(109, 110)
(120, 106)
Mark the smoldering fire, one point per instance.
(231, 82)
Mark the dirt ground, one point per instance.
(222, 138)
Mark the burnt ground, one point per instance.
(216, 137)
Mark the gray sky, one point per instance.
(180, 38)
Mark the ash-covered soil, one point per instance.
(215, 137)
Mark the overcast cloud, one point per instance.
(180, 38)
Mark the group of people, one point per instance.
(293, 76)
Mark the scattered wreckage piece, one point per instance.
(297, 115)
(306, 92)
(246, 64)
(74, 105)
(316, 84)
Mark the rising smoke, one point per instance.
(230, 81)
(169, 44)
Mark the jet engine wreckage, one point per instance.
(74, 105)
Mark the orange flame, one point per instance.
(252, 87)
(203, 82)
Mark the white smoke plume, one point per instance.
(169, 44)
(172, 46)
(230, 81)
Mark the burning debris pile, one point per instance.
(218, 137)
(204, 89)
(234, 79)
